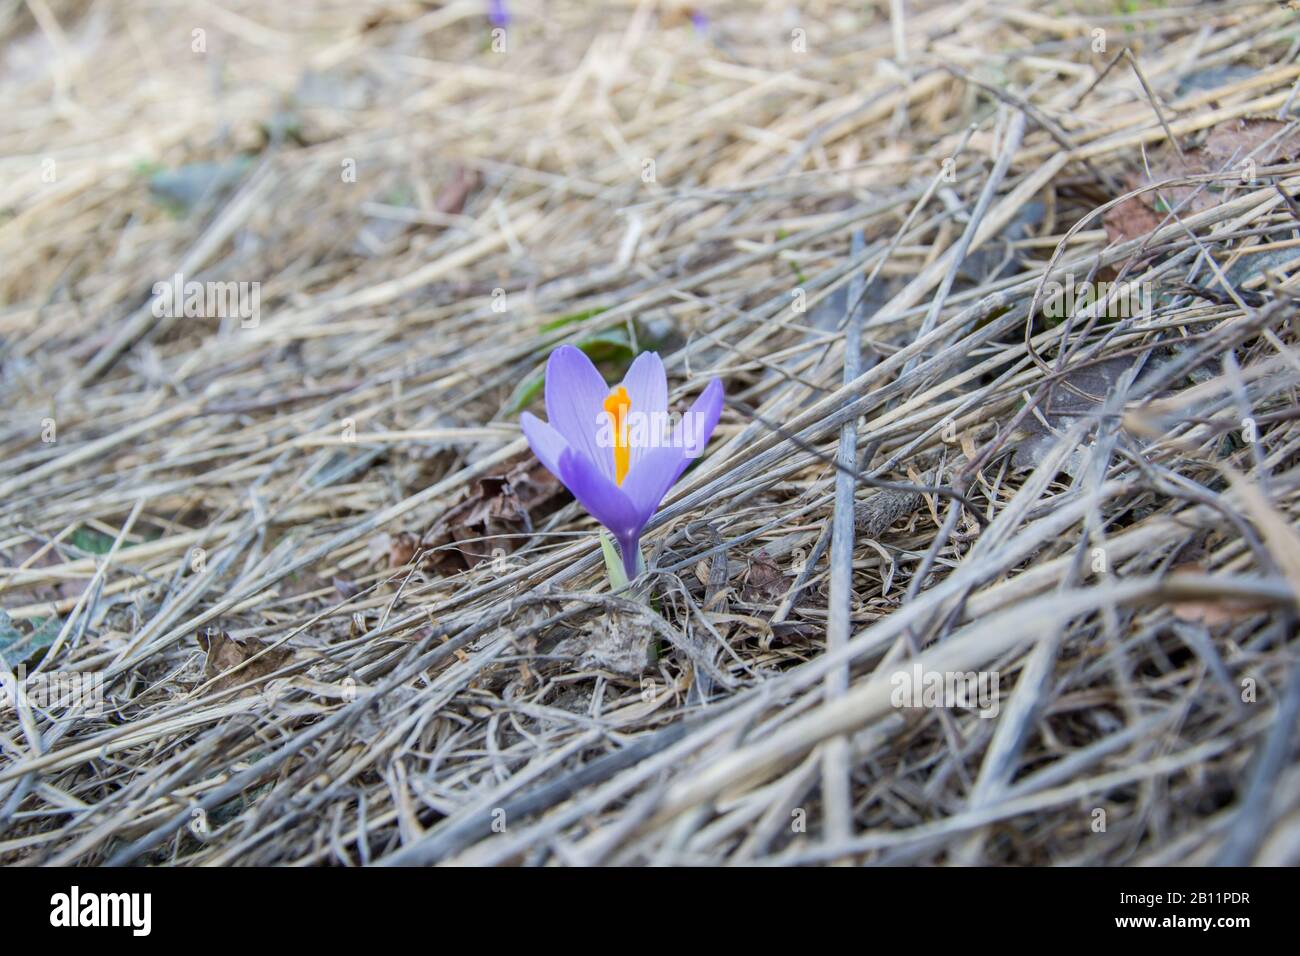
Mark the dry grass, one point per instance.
(231, 525)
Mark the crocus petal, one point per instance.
(547, 444)
(647, 387)
(575, 405)
(599, 495)
(692, 434)
(659, 470)
(647, 483)
(647, 383)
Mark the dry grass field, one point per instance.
(1003, 299)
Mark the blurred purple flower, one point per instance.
(498, 15)
(612, 449)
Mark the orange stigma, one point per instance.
(617, 406)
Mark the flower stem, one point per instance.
(633, 563)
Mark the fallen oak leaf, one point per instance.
(393, 550)
(1234, 140)
(1226, 148)
(1129, 220)
(487, 524)
(763, 582)
(232, 662)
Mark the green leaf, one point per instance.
(525, 392)
(182, 188)
(399, 196)
(613, 564)
(91, 541)
(571, 319)
(612, 345)
(17, 648)
(146, 168)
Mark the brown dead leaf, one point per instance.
(1213, 613)
(1231, 141)
(763, 582)
(482, 526)
(1138, 215)
(226, 653)
(24, 555)
(393, 550)
(451, 200)
(402, 549)
(345, 587)
(1131, 219)
(1225, 147)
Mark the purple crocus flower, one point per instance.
(498, 14)
(614, 449)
